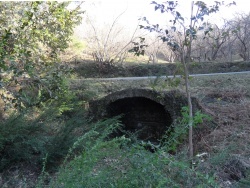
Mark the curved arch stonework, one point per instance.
(172, 101)
(145, 109)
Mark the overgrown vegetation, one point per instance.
(47, 138)
(218, 143)
(54, 139)
(126, 162)
(118, 163)
(30, 135)
(41, 139)
(31, 36)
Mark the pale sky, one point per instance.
(109, 9)
(105, 11)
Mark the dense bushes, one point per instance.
(28, 57)
(21, 140)
(49, 132)
(127, 162)
(120, 163)
(60, 137)
(30, 136)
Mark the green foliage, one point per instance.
(68, 142)
(178, 131)
(120, 163)
(64, 138)
(98, 160)
(31, 36)
(27, 20)
(21, 140)
(33, 134)
(124, 162)
(35, 92)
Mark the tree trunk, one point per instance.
(190, 111)
(190, 107)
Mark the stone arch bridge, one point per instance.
(146, 111)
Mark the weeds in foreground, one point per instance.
(90, 159)
(117, 163)
(125, 162)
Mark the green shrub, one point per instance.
(69, 133)
(107, 164)
(178, 132)
(29, 71)
(125, 162)
(28, 139)
(21, 140)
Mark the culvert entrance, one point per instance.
(145, 110)
(143, 116)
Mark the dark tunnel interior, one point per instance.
(144, 116)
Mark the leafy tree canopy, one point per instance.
(31, 36)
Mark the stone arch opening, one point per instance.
(143, 116)
(148, 111)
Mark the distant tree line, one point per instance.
(227, 42)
